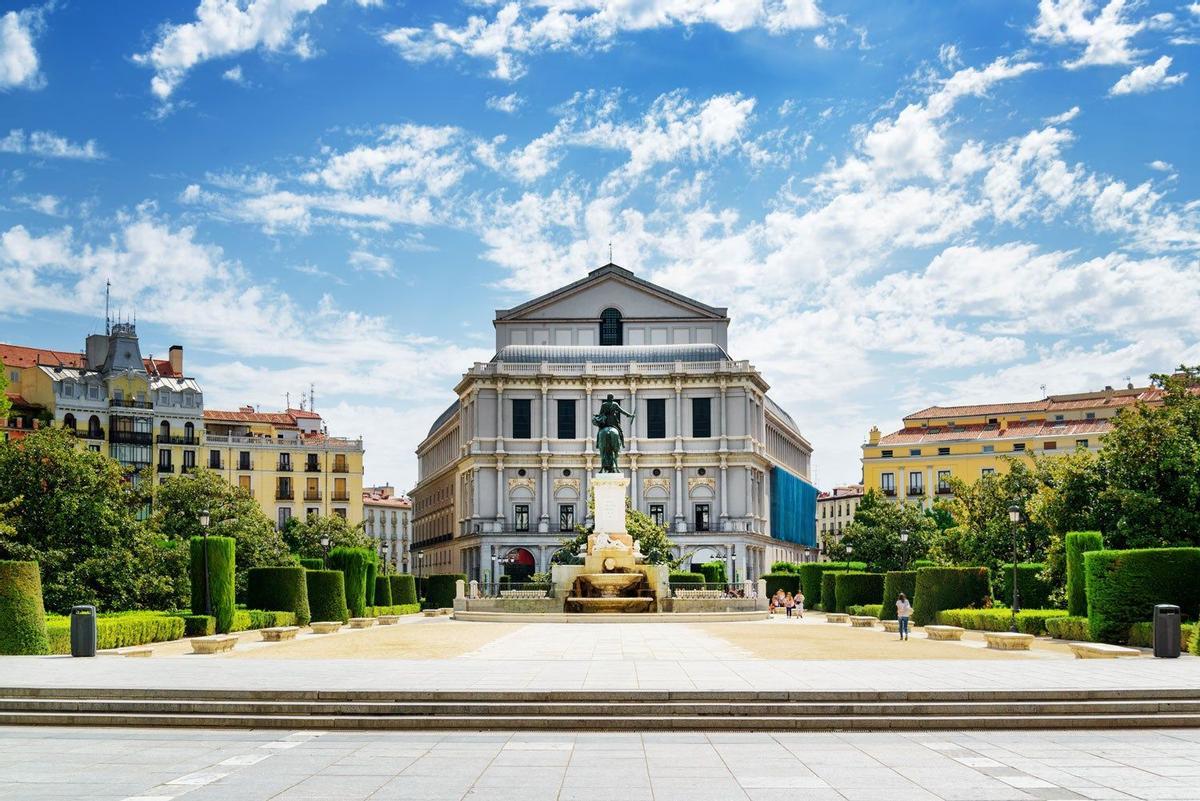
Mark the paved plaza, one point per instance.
(201, 765)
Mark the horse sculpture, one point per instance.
(609, 438)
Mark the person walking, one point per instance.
(903, 613)
(789, 603)
(800, 603)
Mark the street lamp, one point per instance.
(735, 581)
(904, 546)
(1014, 517)
(325, 550)
(385, 549)
(849, 550)
(495, 568)
(204, 520)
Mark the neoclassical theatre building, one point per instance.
(504, 471)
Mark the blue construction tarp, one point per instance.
(793, 508)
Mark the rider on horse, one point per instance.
(608, 423)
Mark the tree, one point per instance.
(5, 404)
(232, 512)
(654, 543)
(1066, 499)
(303, 537)
(875, 534)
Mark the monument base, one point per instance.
(611, 490)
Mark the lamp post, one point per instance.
(204, 520)
(1014, 517)
(904, 547)
(849, 550)
(325, 551)
(492, 577)
(735, 581)
(384, 549)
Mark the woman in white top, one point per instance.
(800, 603)
(903, 613)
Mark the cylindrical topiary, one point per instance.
(894, 583)
(1124, 586)
(353, 563)
(1079, 543)
(788, 582)
(439, 589)
(714, 572)
(220, 568)
(383, 591)
(856, 589)
(404, 589)
(327, 595)
(312, 564)
(372, 573)
(22, 613)
(683, 580)
(941, 588)
(278, 589)
(1033, 591)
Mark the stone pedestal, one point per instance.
(610, 489)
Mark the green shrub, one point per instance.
(327, 595)
(118, 630)
(372, 574)
(22, 613)
(1070, 627)
(829, 599)
(199, 625)
(1029, 621)
(810, 579)
(282, 589)
(920, 563)
(1033, 590)
(939, 588)
(714, 572)
(1079, 543)
(241, 621)
(894, 583)
(1194, 648)
(785, 567)
(439, 589)
(353, 562)
(383, 591)
(221, 552)
(858, 588)
(871, 610)
(685, 580)
(788, 582)
(312, 564)
(1124, 586)
(404, 589)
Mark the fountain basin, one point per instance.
(611, 585)
(616, 604)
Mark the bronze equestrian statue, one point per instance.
(609, 437)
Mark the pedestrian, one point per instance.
(789, 603)
(903, 613)
(800, 603)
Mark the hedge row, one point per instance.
(199, 625)
(404, 589)
(383, 591)
(858, 589)
(220, 566)
(353, 564)
(870, 610)
(439, 589)
(829, 599)
(810, 578)
(939, 588)
(118, 630)
(1029, 621)
(1079, 543)
(684, 580)
(312, 564)
(714, 572)
(372, 574)
(1124, 586)
(1069, 627)
(788, 582)
(1032, 589)
(394, 609)
(894, 583)
(327, 595)
(280, 588)
(22, 615)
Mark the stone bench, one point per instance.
(445, 610)
(362, 622)
(1100, 650)
(863, 621)
(1008, 640)
(388, 620)
(942, 632)
(892, 626)
(214, 644)
(430, 612)
(138, 651)
(325, 626)
(279, 633)
(837, 617)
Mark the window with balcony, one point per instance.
(283, 489)
(311, 464)
(656, 418)
(566, 517)
(522, 418)
(566, 419)
(164, 461)
(521, 517)
(69, 422)
(943, 479)
(283, 515)
(658, 514)
(701, 417)
(244, 483)
(701, 514)
(285, 463)
(189, 434)
(887, 483)
(189, 461)
(340, 493)
(244, 460)
(916, 483)
(312, 491)
(339, 464)
(214, 460)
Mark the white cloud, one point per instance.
(371, 262)
(1147, 78)
(18, 56)
(509, 104)
(48, 144)
(1161, 166)
(518, 30)
(1106, 34)
(234, 75)
(1065, 117)
(224, 28)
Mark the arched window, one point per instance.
(164, 431)
(610, 327)
(94, 427)
(69, 422)
(189, 432)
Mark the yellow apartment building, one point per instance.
(916, 463)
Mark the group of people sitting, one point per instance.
(788, 602)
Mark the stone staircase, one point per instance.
(612, 711)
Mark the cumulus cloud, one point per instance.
(48, 144)
(1147, 78)
(1105, 33)
(18, 56)
(509, 104)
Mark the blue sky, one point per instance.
(901, 203)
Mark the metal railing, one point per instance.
(126, 403)
(340, 468)
(166, 468)
(285, 495)
(130, 437)
(340, 496)
(312, 496)
(284, 467)
(326, 443)
(177, 440)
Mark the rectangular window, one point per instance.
(943, 484)
(311, 464)
(285, 462)
(943, 451)
(916, 483)
(702, 510)
(566, 517)
(886, 454)
(1050, 446)
(1090, 415)
(988, 471)
(522, 418)
(189, 460)
(164, 458)
(340, 492)
(989, 448)
(701, 418)
(1018, 446)
(1081, 443)
(656, 418)
(566, 419)
(283, 489)
(340, 513)
(284, 515)
(887, 483)
(214, 460)
(244, 482)
(312, 490)
(243, 460)
(914, 451)
(521, 517)
(657, 514)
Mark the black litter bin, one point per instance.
(83, 631)
(1167, 639)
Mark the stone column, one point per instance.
(544, 522)
(499, 491)
(678, 490)
(724, 493)
(635, 484)
(475, 493)
(678, 414)
(545, 414)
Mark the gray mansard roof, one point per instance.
(451, 410)
(610, 354)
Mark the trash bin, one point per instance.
(83, 631)
(1167, 639)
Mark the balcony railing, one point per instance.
(85, 434)
(187, 468)
(166, 468)
(130, 437)
(175, 440)
(284, 467)
(944, 491)
(312, 495)
(326, 443)
(312, 467)
(341, 496)
(215, 465)
(244, 466)
(126, 403)
(889, 491)
(915, 491)
(284, 495)
(340, 468)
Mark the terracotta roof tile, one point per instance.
(1015, 431)
(274, 418)
(21, 356)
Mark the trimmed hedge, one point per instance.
(353, 563)
(221, 552)
(1124, 586)
(1034, 592)
(714, 572)
(858, 589)
(1079, 543)
(394, 609)
(1029, 621)
(404, 589)
(870, 610)
(199, 625)
(1069, 627)
(439, 589)
(1195, 646)
(788, 582)
(372, 574)
(119, 630)
(785, 567)
(312, 564)
(920, 563)
(22, 613)
(327, 595)
(939, 588)
(282, 589)
(685, 580)
(894, 583)
(829, 599)
(810, 578)
(383, 591)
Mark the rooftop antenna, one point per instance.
(107, 287)
(287, 400)
(610, 261)
(1043, 390)
(312, 395)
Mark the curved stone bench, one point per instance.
(1008, 640)
(1100, 650)
(430, 612)
(388, 620)
(837, 617)
(325, 626)
(137, 651)
(892, 626)
(942, 632)
(445, 610)
(362, 622)
(863, 621)
(279, 633)
(214, 644)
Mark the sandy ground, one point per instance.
(441, 638)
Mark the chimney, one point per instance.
(175, 354)
(96, 351)
(873, 437)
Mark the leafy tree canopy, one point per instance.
(656, 546)
(303, 537)
(875, 534)
(5, 404)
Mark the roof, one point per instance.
(21, 356)
(841, 493)
(599, 274)
(160, 367)
(375, 499)
(451, 410)
(244, 416)
(610, 354)
(1052, 403)
(18, 402)
(1031, 429)
(303, 414)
